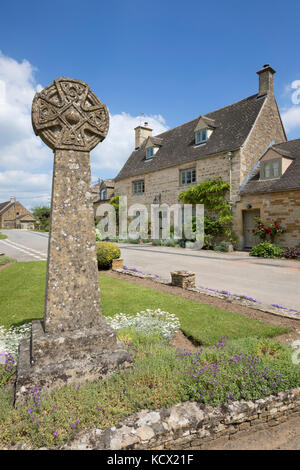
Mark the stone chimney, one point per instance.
(266, 80)
(141, 134)
(12, 199)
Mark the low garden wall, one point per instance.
(190, 424)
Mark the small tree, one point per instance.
(42, 213)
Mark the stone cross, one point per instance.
(73, 343)
(71, 120)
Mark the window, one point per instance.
(103, 194)
(149, 152)
(201, 136)
(138, 187)
(188, 176)
(271, 169)
(275, 169)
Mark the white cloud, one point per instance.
(30, 188)
(291, 118)
(25, 162)
(19, 147)
(291, 114)
(113, 152)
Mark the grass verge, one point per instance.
(6, 260)
(22, 288)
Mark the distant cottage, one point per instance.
(244, 143)
(14, 215)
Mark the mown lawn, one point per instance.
(22, 288)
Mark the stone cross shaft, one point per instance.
(71, 120)
(74, 343)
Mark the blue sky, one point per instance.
(171, 60)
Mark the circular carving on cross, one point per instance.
(68, 115)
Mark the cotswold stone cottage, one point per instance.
(272, 192)
(102, 192)
(14, 215)
(229, 143)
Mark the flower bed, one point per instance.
(147, 322)
(169, 397)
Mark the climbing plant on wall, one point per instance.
(212, 194)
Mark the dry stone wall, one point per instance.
(190, 424)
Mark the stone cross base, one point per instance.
(183, 279)
(54, 360)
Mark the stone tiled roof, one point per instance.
(28, 216)
(232, 126)
(4, 206)
(289, 180)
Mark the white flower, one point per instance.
(10, 339)
(147, 322)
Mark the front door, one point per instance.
(249, 217)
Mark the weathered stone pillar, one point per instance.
(74, 343)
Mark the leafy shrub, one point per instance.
(106, 252)
(291, 253)
(266, 250)
(208, 242)
(169, 242)
(223, 246)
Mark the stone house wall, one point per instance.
(166, 182)
(7, 219)
(268, 127)
(282, 207)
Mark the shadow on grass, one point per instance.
(24, 322)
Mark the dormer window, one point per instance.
(271, 169)
(201, 136)
(149, 152)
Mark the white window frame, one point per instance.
(103, 191)
(149, 152)
(200, 136)
(270, 165)
(183, 176)
(138, 187)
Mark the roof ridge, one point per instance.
(207, 114)
(286, 142)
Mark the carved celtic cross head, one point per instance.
(68, 115)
